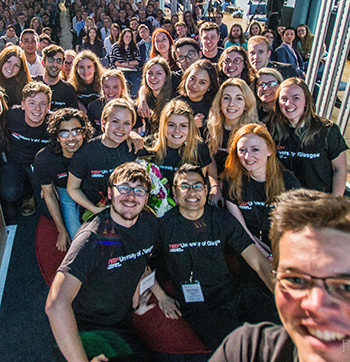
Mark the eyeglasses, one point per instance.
(268, 84)
(68, 63)
(297, 284)
(64, 133)
(236, 61)
(125, 189)
(190, 55)
(197, 187)
(53, 60)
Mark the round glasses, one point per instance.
(190, 55)
(125, 189)
(298, 284)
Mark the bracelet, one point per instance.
(136, 308)
(269, 256)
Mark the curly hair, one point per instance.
(247, 73)
(74, 77)
(65, 115)
(216, 117)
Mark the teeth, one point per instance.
(192, 200)
(326, 336)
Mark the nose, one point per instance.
(70, 136)
(317, 299)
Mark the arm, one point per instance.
(143, 108)
(75, 192)
(63, 239)
(236, 212)
(339, 174)
(259, 263)
(59, 309)
(215, 190)
(168, 305)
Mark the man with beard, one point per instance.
(68, 129)
(63, 93)
(95, 284)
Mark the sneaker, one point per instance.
(28, 207)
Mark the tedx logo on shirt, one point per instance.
(179, 248)
(118, 261)
(98, 173)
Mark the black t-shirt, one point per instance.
(88, 95)
(63, 94)
(172, 161)
(49, 167)
(263, 342)
(93, 163)
(255, 211)
(216, 58)
(26, 141)
(94, 112)
(202, 106)
(222, 152)
(199, 245)
(311, 164)
(109, 260)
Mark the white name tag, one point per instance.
(193, 292)
(147, 282)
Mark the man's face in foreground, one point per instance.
(258, 54)
(317, 319)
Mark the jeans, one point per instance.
(15, 186)
(70, 211)
(134, 80)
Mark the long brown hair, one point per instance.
(234, 170)
(164, 96)
(74, 77)
(309, 124)
(247, 73)
(23, 76)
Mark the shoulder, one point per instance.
(290, 180)
(264, 342)
(44, 154)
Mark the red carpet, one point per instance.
(48, 256)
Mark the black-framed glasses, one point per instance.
(197, 187)
(235, 61)
(64, 133)
(53, 60)
(125, 189)
(190, 55)
(268, 84)
(298, 284)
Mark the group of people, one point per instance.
(231, 129)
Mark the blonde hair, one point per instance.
(216, 117)
(118, 103)
(117, 74)
(234, 170)
(188, 150)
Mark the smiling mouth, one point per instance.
(326, 336)
(118, 134)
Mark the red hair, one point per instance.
(154, 52)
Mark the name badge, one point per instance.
(147, 282)
(192, 291)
